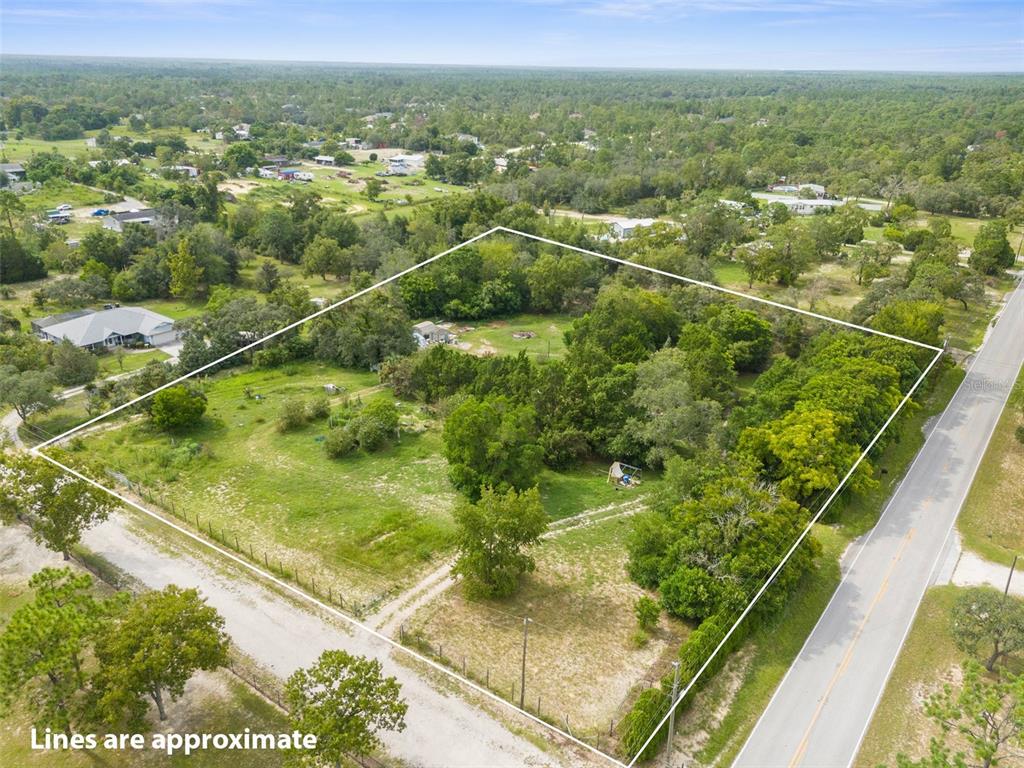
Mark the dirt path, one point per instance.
(396, 612)
(443, 728)
(390, 617)
(974, 571)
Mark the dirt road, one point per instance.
(443, 727)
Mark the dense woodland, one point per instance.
(649, 136)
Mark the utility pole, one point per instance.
(672, 714)
(522, 677)
(1006, 591)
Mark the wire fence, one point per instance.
(305, 580)
(508, 686)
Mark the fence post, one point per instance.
(463, 665)
(266, 560)
(237, 548)
(488, 678)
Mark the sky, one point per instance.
(915, 35)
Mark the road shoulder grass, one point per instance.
(771, 649)
(991, 522)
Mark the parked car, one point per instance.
(64, 208)
(101, 212)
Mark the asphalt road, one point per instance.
(820, 712)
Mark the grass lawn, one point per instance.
(572, 491)
(582, 659)
(54, 193)
(399, 191)
(132, 361)
(68, 413)
(928, 660)
(497, 337)
(992, 522)
(21, 150)
(360, 524)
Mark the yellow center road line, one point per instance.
(801, 749)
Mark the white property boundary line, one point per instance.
(38, 451)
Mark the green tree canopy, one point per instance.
(491, 443)
(492, 537)
(346, 702)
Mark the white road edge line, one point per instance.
(849, 570)
(38, 451)
(942, 550)
(785, 559)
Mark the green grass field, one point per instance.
(991, 521)
(497, 337)
(362, 523)
(42, 426)
(399, 192)
(111, 365)
(54, 193)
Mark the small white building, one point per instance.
(189, 170)
(242, 131)
(267, 172)
(623, 228)
(13, 171)
(324, 159)
(405, 165)
(117, 221)
(428, 333)
(303, 176)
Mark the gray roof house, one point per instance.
(427, 333)
(108, 328)
(116, 221)
(15, 171)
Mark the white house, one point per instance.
(14, 171)
(242, 130)
(189, 170)
(324, 159)
(623, 228)
(428, 333)
(117, 221)
(268, 172)
(464, 138)
(405, 165)
(107, 328)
